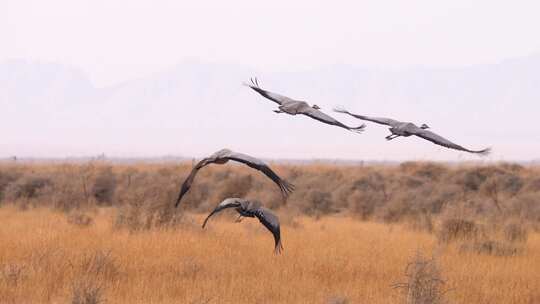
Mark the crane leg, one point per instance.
(392, 136)
(277, 111)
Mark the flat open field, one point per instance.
(45, 259)
(107, 233)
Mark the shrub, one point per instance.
(26, 187)
(104, 186)
(236, 186)
(79, 219)
(337, 300)
(99, 265)
(424, 283)
(86, 292)
(525, 206)
(67, 190)
(457, 229)
(319, 203)
(515, 232)
(421, 222)
(364, 203)
(137, 216)
(533, 185)
(394, 211)
(7, 176)
(425, 170)
(490, 247)
(12, 274)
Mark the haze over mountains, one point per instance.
(194, 108)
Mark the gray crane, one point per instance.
(293, 107)
(252, 208)
(398, 128)
(222, 157)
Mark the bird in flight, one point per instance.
(252, 208)
(225, 155)
(398, 128)
(294, 107)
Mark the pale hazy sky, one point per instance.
(118, 40)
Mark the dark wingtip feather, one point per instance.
(484, 152)
(178, 201)
(359, 129)
(207, 218)
(254, 83)
(286, 189)
(279, 247)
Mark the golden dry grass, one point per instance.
(44, 259)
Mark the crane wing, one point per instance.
(227, 203)
(279, 99)
(379, 120)
(439, 140)
(327, 119)
(186, 185)
(271, 222)
(285, 187)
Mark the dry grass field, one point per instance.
(44, 259)
(97, 233)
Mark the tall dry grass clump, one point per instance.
(423, 283)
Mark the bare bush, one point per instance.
(533, 185)
(190, 268)
(68, 190)
(515, 232)
(427, 170)
(421, 222)
(319, 203)
(236, 186)
(26, 187)
(424, 283)
(12, 273)
(7, 177)
(457, 229)
(144, 193)
(80, 219)
(99, 264)
(363, 203)
(526, 206)
(104, 185)
(337, 300)
(394, 211)
(147, 202)
(87, 292)
(490, 247)
(138, 216)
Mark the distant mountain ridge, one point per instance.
(195, 108)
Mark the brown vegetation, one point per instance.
(97, 232)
